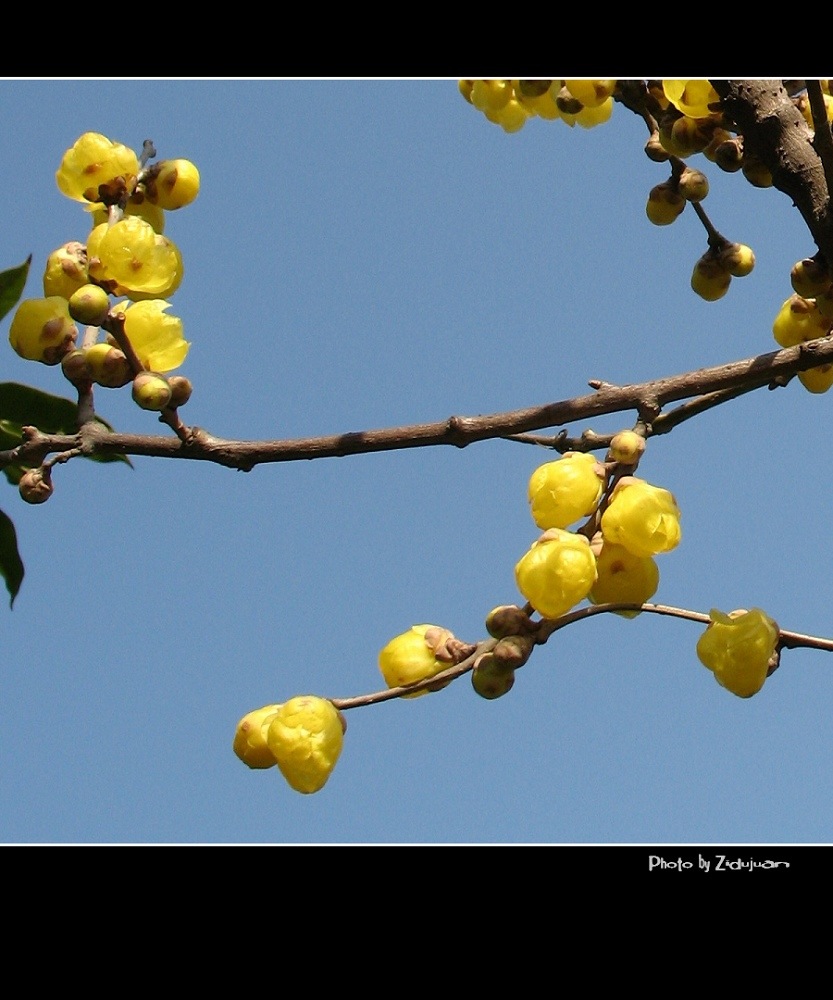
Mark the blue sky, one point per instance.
(371, 253)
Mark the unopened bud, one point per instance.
(513, 651)
(181, 389)
(627, 447)
(35, 485)
(728, 155)
(508, 619)
(108, 366)
(74, 367)
(89, 305)
(151, 391)
(491, 679)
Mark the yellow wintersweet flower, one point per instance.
(250, 743)
(643, 518)
(411, 657)
(94, 160)
(692, 97)
(42, 330)
(131, 257)
(156, 337)
(562, 491)
(557, 572)
(624, 577)
(306, 737)
(738, 649)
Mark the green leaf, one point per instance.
(12, 283)
(11, 565)
(22, 406)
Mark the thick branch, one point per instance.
(645, 397)
(775, 131)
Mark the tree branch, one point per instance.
(646, 398)
(775, 131)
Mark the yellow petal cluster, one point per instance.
(250, 743)
(91, 161)
(645, 519)
(133, 258)
(306, 737)
(562, 491)
(156, 337)
(692, 97)
(738, 648)
(557, 572)
(624, 577)
(411, 657)
(42, 329)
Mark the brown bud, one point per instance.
(513, 651)
(74, 367)
(491, 679)
(181, 389)
(508, 619)
(728, 155)
(35, 485)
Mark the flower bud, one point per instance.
(645, 519)
(171, 184)
(738, 259)
(627, 447)
(818, 379)
(508, 619)
(89, 304)
(66, 270)
(665, 203)
(74, 367)
(42, 330)
(710, 279)
(151, 391)
(693, 185)
(250, 743)
(623, 578)
(491, 679)
(35, 485)
(756, 171)
(655, 150)
(798, 319)
(513, 651)
(810, 277)
(414, 656)
(728, 155)
(108, 366)
(181, 389)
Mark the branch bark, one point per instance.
(646, 399)
(775, 131)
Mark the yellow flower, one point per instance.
(643, 518)
(411, 657)
(557, 572)
(131, 257)
(562, 491)
(738, 648)
(306, 737)
(624, 577)
(692, 97)
(250, 737)
(42, 330)
(94, 160)
(156, 338)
